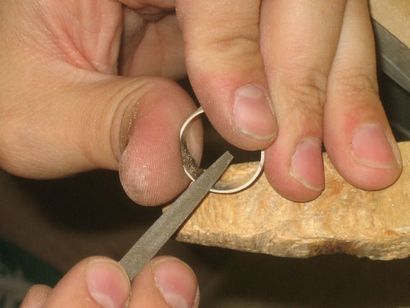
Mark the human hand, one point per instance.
(286, 75)
(65, 109)
(101, 282)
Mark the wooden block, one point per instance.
(391, 24)
(343, 219)
(394, 16)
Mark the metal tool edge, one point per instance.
(168, 223)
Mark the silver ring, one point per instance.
(192, 168)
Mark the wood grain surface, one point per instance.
(394, 15)
(343, 219)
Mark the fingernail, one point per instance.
(252, 113)
(176, 282)
(372, 148)
(107, 284)
(307, 164)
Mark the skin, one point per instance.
(101, 282)
(89, 84)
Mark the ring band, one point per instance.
(190, 167)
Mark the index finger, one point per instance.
(226, 69)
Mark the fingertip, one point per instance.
(375, 156)
(96, 280)
(107, 282)
(166, 282)
(151, 165)
(241, 111)
(374, 148)
(296, 176)
(370, 165)
(36, 296)
(307, 164)
(252, 113)
(372, 179)
(176, 281)
(361, 145)
(292, 190)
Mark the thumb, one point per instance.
(132, 124)
(94, 282)
(101, 282)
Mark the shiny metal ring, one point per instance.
(248, 183)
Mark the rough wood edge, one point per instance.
(373, 229)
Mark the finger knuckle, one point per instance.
(307, 114)
(231, 43)
(307, 89)
(239, 44)
(353, 83)
(307, 94)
